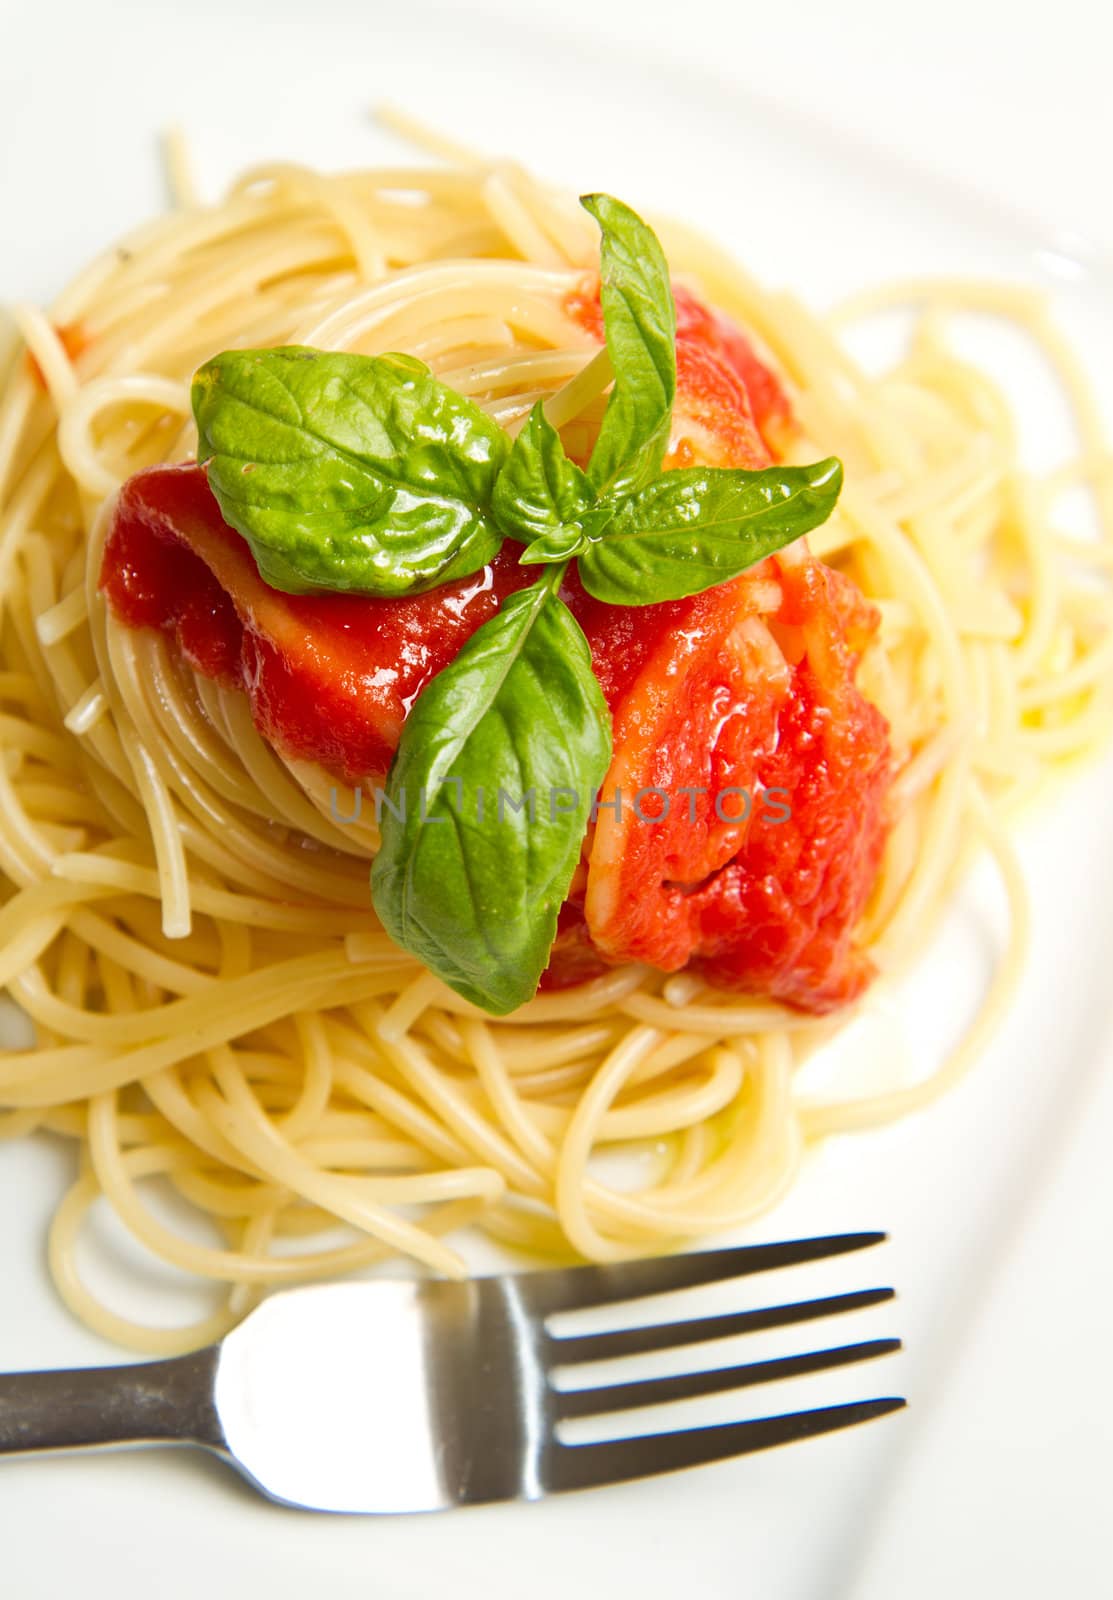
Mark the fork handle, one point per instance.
(96, 1407)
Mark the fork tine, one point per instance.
(587, 1466)
(576, 1288)
(573, 1348)
(690, 1385)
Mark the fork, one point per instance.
(414, 1395)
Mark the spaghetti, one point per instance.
(185, 917)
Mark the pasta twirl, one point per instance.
(185, 913)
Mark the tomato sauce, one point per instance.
(330, 677)
(726, 689)
(73, 338)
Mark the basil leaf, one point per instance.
(474, 890)
(348, 472)
(639, 316)
(539, 489)
(560, 545)
(691, 530)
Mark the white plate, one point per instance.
(947, 1185)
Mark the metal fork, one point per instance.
(399, 1395)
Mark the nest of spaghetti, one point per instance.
(213, 1010)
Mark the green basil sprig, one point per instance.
(539, 491)
(360, 473)
(641, 535)
(365, 474)
(488, 796)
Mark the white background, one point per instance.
(1012, 99)
(1004, 1484)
